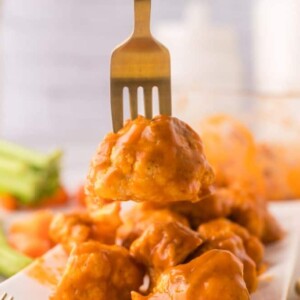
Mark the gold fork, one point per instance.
(5, 296)
(143, 62)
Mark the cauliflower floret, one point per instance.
(159, 160)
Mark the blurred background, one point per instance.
(238, 57)
(232, 56)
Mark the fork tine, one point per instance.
(148, 102)
(165, 104)
(116, 99)
(133, 102)
(141, 61)
(3, 297)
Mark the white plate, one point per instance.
(26, 286)
(282, 256)
(274, 284)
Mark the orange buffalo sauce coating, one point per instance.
(270, 170)
(139, 218)
(231, 150)
(97, 271)
(251, 211)
(43, 274)
(164, 245)
(48, 273)
(215, 275)
(193, 238)
(72, 229)
(219, 227)
(217, 203)
(240, 205)
(281, 170)
(226, 235)
(158, 160)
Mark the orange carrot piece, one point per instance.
(36, 225)
(80, 196)
(29, 245)
(8, 202)
(30, 236)
(60, 197)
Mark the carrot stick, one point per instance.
(60, 197)
(8, 202)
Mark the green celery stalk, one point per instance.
(25, 188)
(28, 156)
(26, 174)
(51, 187)
(12, 166)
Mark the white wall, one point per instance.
(56, 62)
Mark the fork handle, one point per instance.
(142, 16)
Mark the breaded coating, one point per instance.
(272, 229)
(139, 218)
(214, 275)
(251, 212)
(217, 203)
(71, 229)
(164, 245)
(249, 171)
(281, 170)
(215, 236)
(248, 210)
(75, 228)
(187, 235)
(235, 203)
(219, 227)
(106, 222)
(97, 271)
(159, 160)
(230, 148)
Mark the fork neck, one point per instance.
(142, 16)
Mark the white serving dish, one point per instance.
(273, 285)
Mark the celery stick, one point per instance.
(51, 187)
(55, 157)
(25, 188)
(27, 174)
(11, 261)
(12, 166)
(31, 157)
